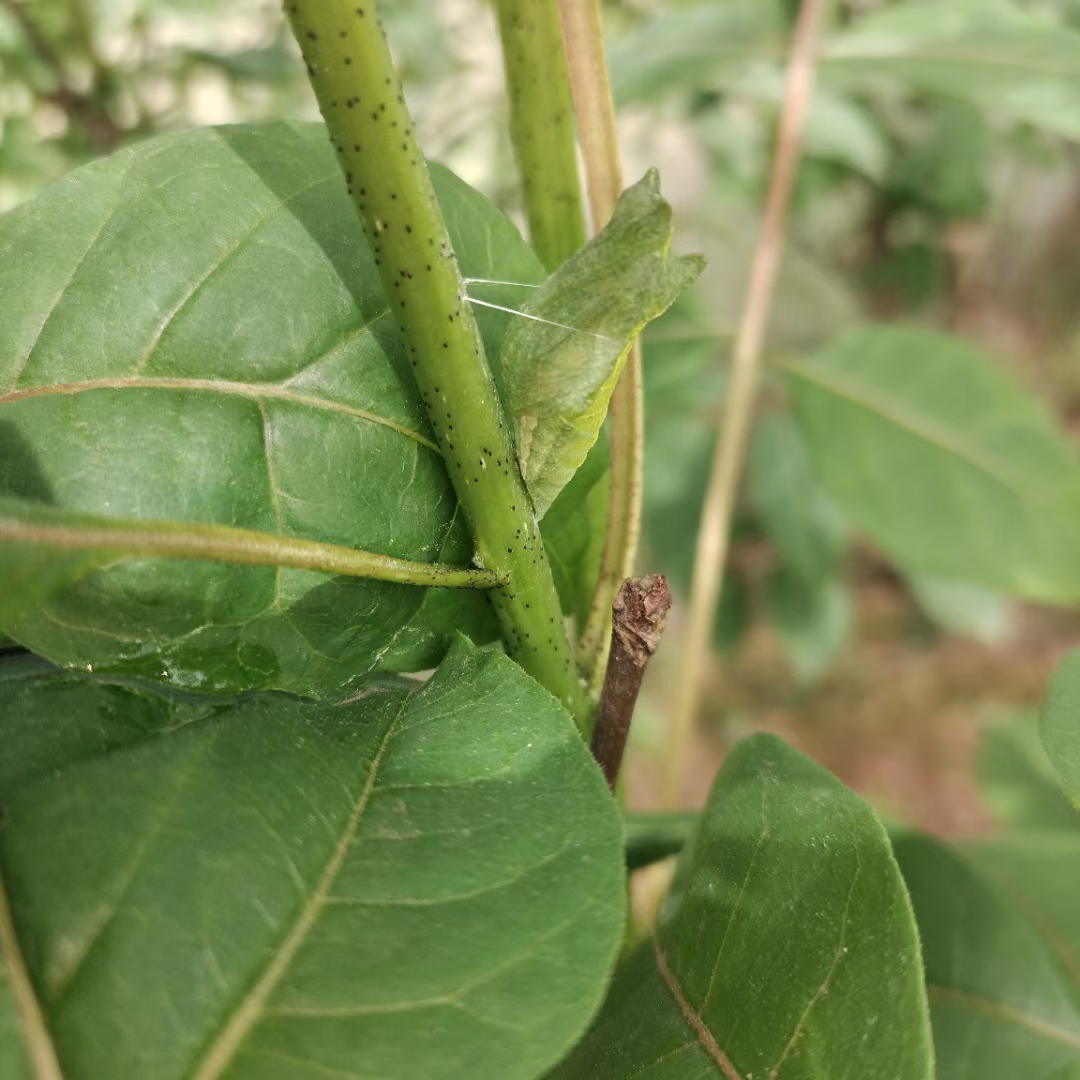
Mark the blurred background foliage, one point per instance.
(940, 191)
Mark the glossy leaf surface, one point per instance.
(194, 330)
(424, 883)
(560, 363)
(943, 460)
(786, 947)
(1061, 725)
(1001, 1007)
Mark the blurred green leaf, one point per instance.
(797, 513)
(837, 128)
(1038, 872)
(943, 460)
(813, 302)
(692, 45)
(1017, 779)
(650, 837)
(999, 1004)
(944, 166)
(427, 881)
(1060, 725)
(194, 330)
(991, 53)
(559, 364)
(812, 619)
(963, 609)
(785, 948)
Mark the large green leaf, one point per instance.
(989, 52)
(1038, 872)
(1060, 725)
(194, 330)
(560, 363)
(785, 949)
(426, 882)
(1000, 1006)
(943, 460)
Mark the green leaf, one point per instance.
(812, 619)
(1060, 725)
(650, 837)
(1037, 872)
(800, 517)
(194, 330)
(573, 530)
(559, 365)
(785, 949)
(943, 460)
(695, 44)
(967, 610)
(424, 882)
(1017, 779)
(837, 129)
(994, 54)
(999, 1005)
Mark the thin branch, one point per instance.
(714, 535)
(583, 42)
(638, 619)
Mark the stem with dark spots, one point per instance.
(639, 615)
(542, 126)
(360, 96)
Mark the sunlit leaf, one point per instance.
(943, 460)
(786, 947)
(425, 882)
(194, 329)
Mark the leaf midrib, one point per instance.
(250, 1010)
(923, 428)
(255, 391)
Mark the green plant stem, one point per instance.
(221, 543)
(361, 98)
(542, 127)
(714, 533)
(584, 44)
